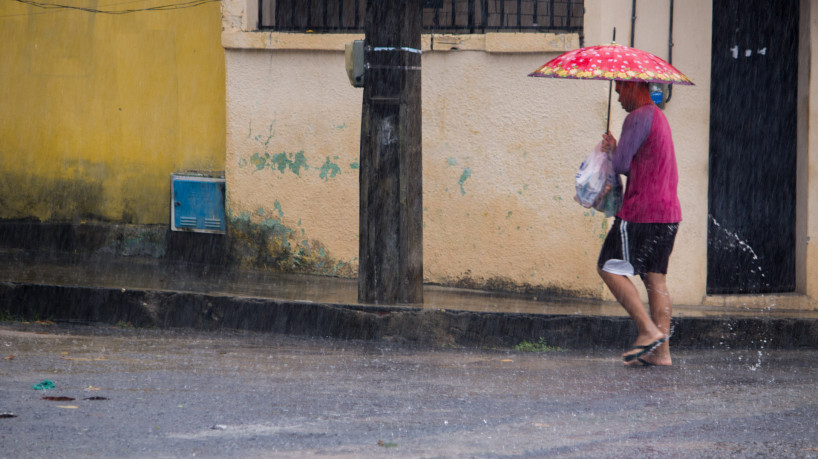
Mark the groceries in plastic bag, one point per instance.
(597, 184)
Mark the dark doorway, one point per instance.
(751, 192)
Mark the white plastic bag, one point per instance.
(597, 185)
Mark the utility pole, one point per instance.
(390, 259)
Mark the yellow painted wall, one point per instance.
(97, 110)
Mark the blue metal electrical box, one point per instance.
(197, 203)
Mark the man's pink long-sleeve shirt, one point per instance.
(646, 155)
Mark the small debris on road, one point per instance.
(43, 385)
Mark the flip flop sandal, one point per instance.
(642, 363)
(646, 349)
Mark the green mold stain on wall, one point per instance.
(270, 245)
(506, 285)
(451, 161)
(329, 170)
(354, 165)
(463, 177)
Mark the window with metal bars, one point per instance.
(439, 16)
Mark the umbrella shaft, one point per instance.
(608, 125)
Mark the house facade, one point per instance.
(99, 110)
(500, 151)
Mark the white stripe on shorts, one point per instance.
(621, 267)
(623, 235)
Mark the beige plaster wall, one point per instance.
(500, 152)
(293, 130)
(500, 149)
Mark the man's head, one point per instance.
(633, 94)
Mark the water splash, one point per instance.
(733, 240)
(756, 365)
(738, 241)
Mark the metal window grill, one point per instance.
(439, 16)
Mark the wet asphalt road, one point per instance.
(173, 393)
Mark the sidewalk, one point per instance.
(148, 292)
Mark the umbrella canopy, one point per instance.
(611, 62)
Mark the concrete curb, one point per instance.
(406, 325)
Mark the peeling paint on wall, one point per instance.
(604, 230)
(295, 162)
(463, 177)
(329, 169)
(281, 161)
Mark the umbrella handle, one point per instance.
(610, 87)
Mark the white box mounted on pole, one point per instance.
(354, 56)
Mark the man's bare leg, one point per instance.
(660, 311)
(627, 295)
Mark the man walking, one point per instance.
(641, 238)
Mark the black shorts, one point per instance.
(637, 248)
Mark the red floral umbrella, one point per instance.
(611, 62)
